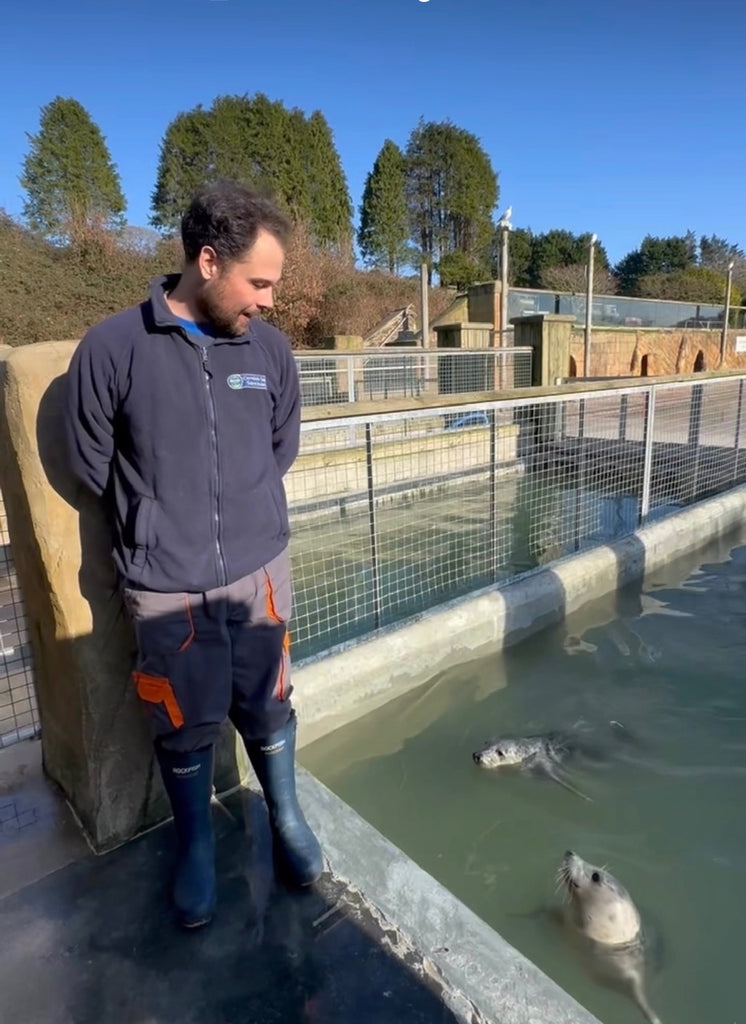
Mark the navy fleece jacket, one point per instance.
(188, 439)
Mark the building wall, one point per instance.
(620, 352)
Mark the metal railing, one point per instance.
(408, 510)
(341, 377)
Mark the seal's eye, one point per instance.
(595, 877)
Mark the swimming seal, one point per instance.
(542, 754)
(602, 914)
(545, 753)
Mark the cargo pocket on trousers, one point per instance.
(157, 690)
(164, 624)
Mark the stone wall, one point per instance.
(615, 352)
(623, 352)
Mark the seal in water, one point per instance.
(601, 913)
(543, 754)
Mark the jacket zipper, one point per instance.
(222, 575)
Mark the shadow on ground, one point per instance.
(94, 941)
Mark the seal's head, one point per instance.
(506, 751)
(599, 906)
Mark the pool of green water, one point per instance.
(666, 814)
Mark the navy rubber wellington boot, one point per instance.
(188, 781)
(296, 849)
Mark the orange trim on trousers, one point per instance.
(274, 617)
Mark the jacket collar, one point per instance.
(166, 320)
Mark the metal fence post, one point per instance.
(580, 479)
(493, 496)
(372, 527)
(648, 435)
(424, 305)
(726, 313)
(623, 414)
(351, 379)
(589, 307)
(693, 446)
(739, 413)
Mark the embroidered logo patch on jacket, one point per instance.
(237, 381)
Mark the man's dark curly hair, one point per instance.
(228, 217)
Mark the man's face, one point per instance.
(234, 292)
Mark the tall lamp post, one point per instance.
(589, 307)
(424, 306)
(505, 228)
(726, 312)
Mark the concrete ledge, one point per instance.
(345, 684)
(484, 979)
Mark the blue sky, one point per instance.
(622, 118)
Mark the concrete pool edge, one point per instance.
(332, 690)
(483, 979)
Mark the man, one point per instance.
(184, 415)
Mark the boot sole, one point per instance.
(190, 926)
(285, 873)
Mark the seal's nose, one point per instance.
(569, 853)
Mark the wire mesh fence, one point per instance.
(19, 718)
(404, 511)
(394, 513)
(341, 377)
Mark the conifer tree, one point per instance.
(185, 166)
(451, 191)
(70, 180)
(329, 198)
(262, 144)
(384, 228)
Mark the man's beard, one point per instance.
(211, 308)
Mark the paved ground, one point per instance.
(88, 939)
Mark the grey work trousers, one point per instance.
(203, 657)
